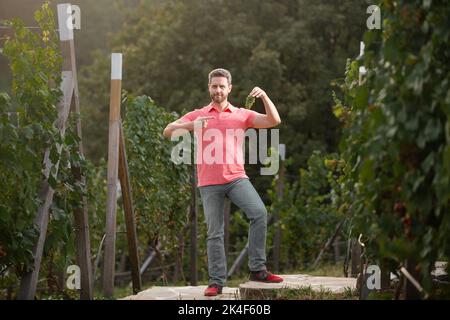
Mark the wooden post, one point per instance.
(356, 258)
(81, 220)
(129, 214)
(238, 262)
(113, 168)
(70, 101)
(412, 287)
(29, 280)
(193, 220)
(329, 242)
(336, 249)
(149, 259)
(362, 69)
(240, 259)
(385, 276)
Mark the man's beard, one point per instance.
(218, 99)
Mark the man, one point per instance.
(218, 179)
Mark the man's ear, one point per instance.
(231, 87)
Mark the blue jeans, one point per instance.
(242, 193)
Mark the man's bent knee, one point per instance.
(258, 213)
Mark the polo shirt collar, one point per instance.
(229, 108)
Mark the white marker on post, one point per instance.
(116, 66)
(65, 21)
(361, 48)
(362, 71)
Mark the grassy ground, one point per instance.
(307, 293)
(304, 293)
(325, 270)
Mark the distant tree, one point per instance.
(293, 49)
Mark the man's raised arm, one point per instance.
(171, 128)
(271, 118)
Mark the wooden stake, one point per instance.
(412, 287)
(69, 87)
(329, 242)
(81, 216)
(113, 167)
(129, 214)
(238, 262)
(240, 259)
(356, 258)
(29, 280)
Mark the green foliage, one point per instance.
(26, 132)
(161, 189)
(170, 46)
(309, 210)
(28, 127)
(396, 140)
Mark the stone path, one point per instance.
(183, 293)
(290, 281)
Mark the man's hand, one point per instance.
(271, 118)
(258, 93)
(185, 125)
(203, 120)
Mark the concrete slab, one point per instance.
(252, 289)
(290, 281)
(183, 293)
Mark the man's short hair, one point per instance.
(220, 73)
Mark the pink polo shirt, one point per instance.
(220, 157)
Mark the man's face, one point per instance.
(219, 89)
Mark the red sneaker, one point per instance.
(265, 276)
(213, 290)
